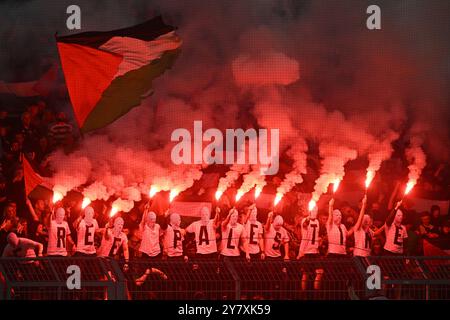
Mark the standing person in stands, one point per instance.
(86, 228)
(113, 240)
(232, 234)
(59, 235)
(205, 234)
(309, 249)
(151, 232)
(254, 236)
(396, 233)
(275, 237)
(337, 233)
(173, 239)
(364, 235)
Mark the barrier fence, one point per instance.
(322, 279)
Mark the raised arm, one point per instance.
(358, 224)
(227, 219)
(217, 218)
(143, 220)
(391, 215)
(31, 209)
(330, 211)
(393, 195)
(269, 221)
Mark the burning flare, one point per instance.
(114, 210)
(57, 196)
(85, 203)
(257, 192)
(409, 186)
(239, 195)
(312, 204)
(278, 198)
(153, 190)
(173, 194)
(218, 194)
(369, 177)
(336, 184)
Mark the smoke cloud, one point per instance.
(309, 68)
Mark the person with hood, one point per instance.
(396, 233)
(232, 235)
(275, 236)
(173, 239)
(309, 249)
(86, 228)
(363, 233)
(59, 235)
(151, 232)
(254, 236)
(113, 240)
(205, 234)
(337, 233)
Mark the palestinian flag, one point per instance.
(32, 179)
(108, 73)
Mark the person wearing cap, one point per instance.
(275, 237)
(86, 227)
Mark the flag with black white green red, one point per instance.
(109, 72)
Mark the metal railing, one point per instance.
(322, 279)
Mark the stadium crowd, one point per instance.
(30, 227)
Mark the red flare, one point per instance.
(277, 199)
(57, 196)
(85, 203)
(218, 194)
(409, 186)
(369, 177)
(153, 190)
(312, 204)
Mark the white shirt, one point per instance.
(273, 241)
(150, 240)
(253, 231)
(57, 238)
(394, 238)
(110, 247)
(363, 243)
(85, 237)
(337, 238)
(231, 236)
(310, 237)
(205, 236)
(173, 242)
